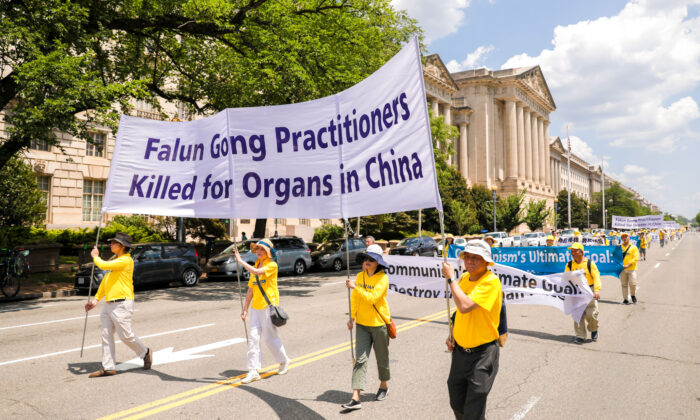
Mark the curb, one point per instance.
(40, 295)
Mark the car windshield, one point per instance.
(242, 247)
(530, 235)
(330, 246)
(567, 232)
(408, 242)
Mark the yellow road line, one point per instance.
(192, 395)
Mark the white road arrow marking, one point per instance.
(167, 355)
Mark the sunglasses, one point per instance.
(369, 259)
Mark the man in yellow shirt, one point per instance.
(550, 240)
(474, 337)
(117, 287)
(643, 243)
(628, 277)
(590, 315)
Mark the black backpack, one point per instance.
(569, 264)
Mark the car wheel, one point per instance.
(299, 267)
(189, 277)
(415, 253)
(337, 265)
(435, 253)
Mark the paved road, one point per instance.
(646, 363)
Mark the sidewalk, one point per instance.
(41, 291)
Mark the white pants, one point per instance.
(116, 316)
(260, 323)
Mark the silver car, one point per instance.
(534, 239)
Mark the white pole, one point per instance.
(347, 256)
(239, 267)
(447, 285)
(92, 273)
(568, 206)
(602, 180)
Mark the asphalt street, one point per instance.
(645, 364)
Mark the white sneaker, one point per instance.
(284, 367)
(250, 377)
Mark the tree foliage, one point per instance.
(21, 202)
(618, 202)
(536, 214)
(579, 217)
(66, 65)
(509, 211)
(327, 233)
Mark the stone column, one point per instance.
(463, 165)
(543, 151)
(545, 134)
(511, 140)
(521, 139)
(447, 116)
(528, 144)
(535, 148)
(436, 107)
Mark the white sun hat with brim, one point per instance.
(375, 252)
(478, 247)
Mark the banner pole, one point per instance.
(347, 257)
(444, 259)
(238, 276)
(89, 295)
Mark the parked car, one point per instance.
(534, 239)
(500, 238)
(333, 254)
(419, 245)
(517, 240)
(293, 256)
(153, 263)
(458, 241)
(566, 233)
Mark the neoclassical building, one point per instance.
(585, 178)
(503, 121)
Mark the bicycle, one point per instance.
(14, 264)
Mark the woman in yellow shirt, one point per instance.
(370, 310)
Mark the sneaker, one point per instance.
(250, 377)
(578, 340)
(594, 335)
(625, 302)
(382, 393)
(352, 405)
(284, 367)
(634, 299)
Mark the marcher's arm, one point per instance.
(462, 301)
(115, 264)
(248, 298)
(596, 278)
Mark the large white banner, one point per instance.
(654, 221)
(422, 277)
(366, 150)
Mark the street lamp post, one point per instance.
(588, 215)
(493, 189)
(556, 201)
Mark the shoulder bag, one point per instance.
(278, 316)
(390, 326)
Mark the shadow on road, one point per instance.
(284, 407)
(542, 335)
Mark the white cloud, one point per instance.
(437, 18)
(473, 60)
(628, 76)
(634, 170)
(581, 149)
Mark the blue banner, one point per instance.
(544, 260)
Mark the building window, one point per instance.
(325, 221)
(245, 221)
(39, 145)
(280, 221)
(44, 183)
(304, 222)
(93, 192)
(97, 148)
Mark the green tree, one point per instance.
(21, 202)
(327, 233)
(579, 217)
(697, 219)
(390, 226)
(509, 211)
(482, 199)
(68, 65)
(462, 215)
(537, 213)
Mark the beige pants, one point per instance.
(590, 316)
(116, 316)
(628, 280)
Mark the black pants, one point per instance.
(470, 381)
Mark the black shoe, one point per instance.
(626, 302)
(352, 405)
(634, 299)
(594, 335)
(578, 340)
(382, 393)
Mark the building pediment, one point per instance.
(435, 70)
(532, 80)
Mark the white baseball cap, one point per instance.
(478, 247)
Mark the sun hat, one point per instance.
(266, 244)
(375, 252)
(478, 247)
(122, 238)
(550, 237)
(577, 245)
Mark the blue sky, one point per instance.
(625, 76)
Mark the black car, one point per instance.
(153, 263)
(420, 245)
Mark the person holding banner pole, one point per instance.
(473, 342)
(628, 276)
(590, 315)
(370, 311)
(263, 277)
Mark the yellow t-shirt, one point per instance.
(268, 281)
(643, 243)
(119, 282)
(631, 257)
(593, 277)
(480, 325)
(370, 291)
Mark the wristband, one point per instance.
(450, 280)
